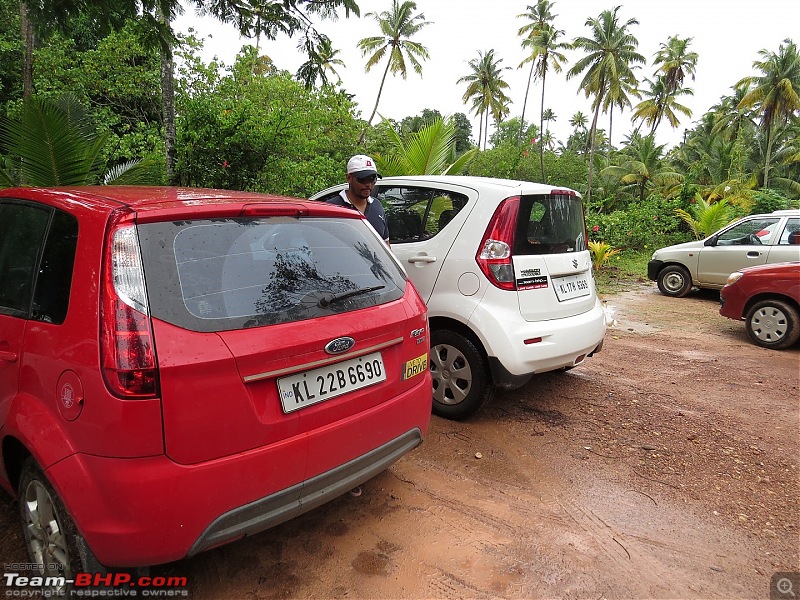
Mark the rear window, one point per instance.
(550, 225)
(224, 274)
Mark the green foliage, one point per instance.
(627, 271)
(601, 252)
(255, 131)
(56, 144)
(766, 201)
(429, 151)
(641, 226)
(704, 218)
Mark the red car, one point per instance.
(181, 368)
(767, 298)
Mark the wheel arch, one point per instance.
(460, 328)
(14, 453)
(762, 296)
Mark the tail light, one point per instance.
(494, 252)
(127, 354)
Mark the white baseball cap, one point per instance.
(361, 165)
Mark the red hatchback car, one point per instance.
(767, 298)
(180, 368)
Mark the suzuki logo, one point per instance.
(339, 345)
(574, 263)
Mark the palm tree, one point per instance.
(321, 61)
(397, 26)
(578, 121)
(643, 167)
(675, 62)
(539, 16)
(610, 54)
(776, 93)
(660, 103)
(545, 53)
(485, 89)
(56, 144)
(429, 151)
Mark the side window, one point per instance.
(418, 213)
(22, 229)
(51, 296)
(791, 233)
(750, 233)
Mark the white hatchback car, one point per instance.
(754, 240)
(505, 270)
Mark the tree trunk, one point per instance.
(592, 133)
(541, 131)
(168, 104)
(26, 30)
(525, 103)
(377, 100)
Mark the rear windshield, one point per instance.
(223, 274)
(550, 225)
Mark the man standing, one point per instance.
(361, 176)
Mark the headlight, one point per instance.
(734, 277)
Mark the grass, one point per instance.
(623, 272)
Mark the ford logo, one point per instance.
(339, 345)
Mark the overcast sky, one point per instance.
(726, 34)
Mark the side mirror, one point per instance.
(712, 241)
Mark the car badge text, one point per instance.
(339, 345)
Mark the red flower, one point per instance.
(525, 153)
(225, 164)
(596, 228)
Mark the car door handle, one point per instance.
(753, 254)
(422, 259)
(7, 356)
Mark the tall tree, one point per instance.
(775, 93)
(485, 88)
(675, 62)
(545, 54)
(610, 56)
(660, 103)
(398, 25)
(539, 15)
(321, 61)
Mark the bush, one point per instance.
(642, 226)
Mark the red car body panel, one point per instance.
(781, 280)
(147, 481)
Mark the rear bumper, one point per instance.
(147, 511)
(564, 342)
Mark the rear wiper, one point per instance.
(343, 296)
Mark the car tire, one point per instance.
(674, 281)
(461, 379)
(50, 535)
(773, 324)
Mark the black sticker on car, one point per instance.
(532, 283)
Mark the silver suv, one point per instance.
(506, 273)
(754, 240)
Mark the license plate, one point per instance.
(310, 387)
(572, 286)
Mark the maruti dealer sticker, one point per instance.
(414, 367)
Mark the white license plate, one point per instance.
(304, 389)
(572, 286)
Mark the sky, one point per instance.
(726, 34)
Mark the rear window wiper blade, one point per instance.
(343, 296)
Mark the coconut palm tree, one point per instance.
(398, 25)
(608, 65)
(539, 16)
(643, 167)
(675, 62)
(545, 54)
(660, 103)
(321, 60)
(775, 93)
(485, 88)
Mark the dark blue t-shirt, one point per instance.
(374, 213)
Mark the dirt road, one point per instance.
(664, 467)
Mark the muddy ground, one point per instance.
(664, 467)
